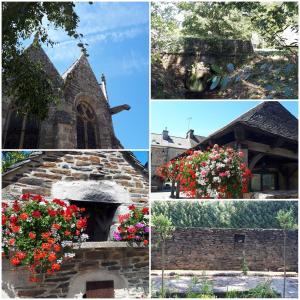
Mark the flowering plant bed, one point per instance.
(134, 226)
(40, 234)
(218, 172)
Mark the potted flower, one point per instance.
(134, 226)
(40, 234)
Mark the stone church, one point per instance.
(81, 120)
(105, 183)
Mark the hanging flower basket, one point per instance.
(40, 234)
(218, 172)
(134, 226)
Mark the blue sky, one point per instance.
(117, 34)
(207, 116)
(142, 156)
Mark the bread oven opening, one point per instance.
(100, 217)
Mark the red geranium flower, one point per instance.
(24, 216)
(15, 261)
(15, 229)
(52, 212)
(131, 207)
(46, 235)
(56, 226)
(56, 247)
(16, 206)
(37, 198)
(46, 246)
(25, 196)
(4, 219)
(52, 256)
(67, 233)
(32, 235)
(13, 219)
(146, 242)
(55, 267)
(20, 255)
(11, 242)
(81, 223)
(36, 214)
(145, 210)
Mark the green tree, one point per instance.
(25, 80)
(163, 24)
(287, 222)
(11, 157)
(164, 228)
(237, 214)
(271, 20)
(216, 20)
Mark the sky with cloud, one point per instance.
(118, 46)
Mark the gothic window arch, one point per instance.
(86, 126)
(22, 131)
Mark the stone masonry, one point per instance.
(93, 176)
(222, 249)
(127, 267)
(178, 57)
(77, 85)
(41, 171)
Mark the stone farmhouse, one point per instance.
(105, 183)
(164, 147)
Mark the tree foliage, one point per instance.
(24, 79)
(214, 20)
(226, 20)
(163, 22)
(237, 214)
(11, 157)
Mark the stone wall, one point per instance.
(42, 171)
(216, 249)
(127, 266)
(170, 73)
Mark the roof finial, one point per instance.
(103, 86)
(103, 78)
(36, 39)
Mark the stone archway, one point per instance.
(78, 285)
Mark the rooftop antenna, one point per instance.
(189, 121)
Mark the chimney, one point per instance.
(190, 134)
(165, 134)
(103, 86)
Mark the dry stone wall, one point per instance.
(41, 172)
(128, 267)
(171, 71)
(222, 249)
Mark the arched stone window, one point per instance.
(22, 132)
(86, 126)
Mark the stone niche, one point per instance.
(103, 202)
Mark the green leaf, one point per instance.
(216, 69)
(215, 82)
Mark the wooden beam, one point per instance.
(267, 149)
(255, 160)
(239, 133)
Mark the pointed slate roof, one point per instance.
(270, 117)
(37, 53)
(81, 61)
